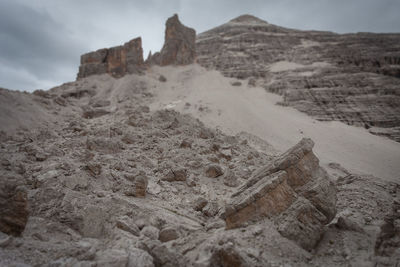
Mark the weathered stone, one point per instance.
(126, 224)
(5, 240)
(294, 190)
(199, 203)
(302, 223)
(211, 209)
(214, 171)
(139, 258)
(252, 82)
(191, 181)
(13, 206)
(388, 240)
(76, 182)
(347, 224)
(138, 187)
(94, 169)
(236, 84)
(150, 232)
(162, 78)
(226, 256)
(266, 198)
(103, 145)
(41, 156)
(168, 234)
(116, 61)
(162, 255)
(304, 175)
(230, 179)
(90, 113)
(186, 144)
(100, 103)
(176, 175)
(179, 45)
(94, 218)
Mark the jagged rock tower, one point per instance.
(179, 49)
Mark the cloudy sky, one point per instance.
(41, 40)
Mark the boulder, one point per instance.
(176, 175)
(168, 234)
(162, 255)
(138, 187)
(230, 179)
(179, 45)
(214, 171)
(126, 224)
(211, 209)
(13, 206)
(199, 203)
(226, 255)
(294, 191)
(139, 258)
(150, 232)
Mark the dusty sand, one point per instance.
(233, 109)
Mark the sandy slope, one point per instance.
(18, 109)
(213, 99)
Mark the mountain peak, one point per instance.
(246, 18)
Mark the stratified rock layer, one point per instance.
(351, 78)
(294, 190)
(117, 61)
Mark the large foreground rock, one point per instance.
(293, 190)
(13, 207)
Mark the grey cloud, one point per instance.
(32, 42)
(41, 41)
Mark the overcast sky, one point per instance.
(41, 40)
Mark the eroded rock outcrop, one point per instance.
(117, 61)
(293, 190)
(179, 45)
(179, 49)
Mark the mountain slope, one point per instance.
(213, 99)
(353, 78)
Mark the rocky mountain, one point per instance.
(102, 172)
(352, 78)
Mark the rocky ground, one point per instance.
(98, 172)
(113, 183)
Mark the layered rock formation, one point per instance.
(294, 190)
(351, 78)
(116, 61)
(179, 49)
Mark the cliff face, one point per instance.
(353, 78)
(179, 46)
(117, 61)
